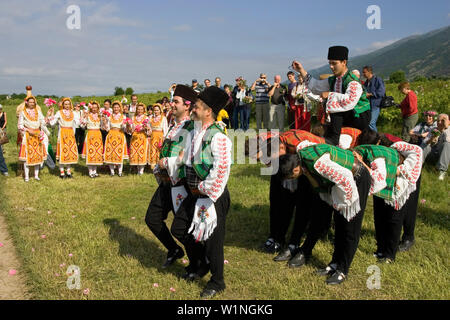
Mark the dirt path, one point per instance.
(12, 287)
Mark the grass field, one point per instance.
(100, 224)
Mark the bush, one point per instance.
(118, 91)
(129, 91)
(397, 77)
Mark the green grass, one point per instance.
(120, 258)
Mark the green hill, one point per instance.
(418, 55)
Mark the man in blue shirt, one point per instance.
(375, 92)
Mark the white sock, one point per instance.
(91, 170)
(68, 170)
(36, 171)
(120, 167)
(61, 170)
(141, 169)
(26, 170)
(111, 168)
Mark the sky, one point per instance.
(147, 45)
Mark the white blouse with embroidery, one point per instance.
(338, 101)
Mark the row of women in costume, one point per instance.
(323, 181)
(147, 136)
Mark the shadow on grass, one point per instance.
(134, 245)
(256, 219)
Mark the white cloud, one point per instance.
(375, 46)
(182, 28)
(106, 15)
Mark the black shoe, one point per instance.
(172, 256)
(69, 176)
(190, 276)
(336, 278)
(386, 260)
(266, 245)
(283, 256)
(297, 261)
(328, 271)
(405, 245)
(209, 293)
(378, 255)
(62, 176)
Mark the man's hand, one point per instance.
(368, 95)
(324, 95)
(161, 164)
(297, 66)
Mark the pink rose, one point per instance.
(86, 291)
(12, 272)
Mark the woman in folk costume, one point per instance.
(93, 144)
(158, 128)
(115, 144)
(31, 124)
(139, 141)
(303, 101)
(66, 147)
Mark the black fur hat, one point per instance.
(215, 98)
(187, 93)
(338, 53)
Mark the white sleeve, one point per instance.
(317, 86)
(20, 124)
(311, 96)
(304, 144)
(216, 181)
(344, 193)
(378, 175)
(345, 141)
(341, 102)
(410, 168)
(54, 119)
(165, 126)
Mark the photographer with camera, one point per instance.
(375, 92)
(261, 87)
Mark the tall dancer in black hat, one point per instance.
(200, 222)
(171, 192)
(347, 104)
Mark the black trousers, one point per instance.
(320, 223)
(345, 119)
(388, 226)
(347, 233)
(211, 250)
(79, 137)
(157, 212)
(409, 221)
(282, 205)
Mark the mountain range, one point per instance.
(417, 55)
